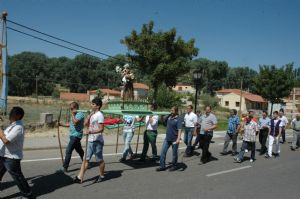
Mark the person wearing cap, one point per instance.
(11, 151)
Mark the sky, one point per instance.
(240, 32)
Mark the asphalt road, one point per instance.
(220, 178)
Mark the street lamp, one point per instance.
(197, 80)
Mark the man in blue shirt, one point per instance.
(263, 124)
(76, 130)
(232, 132)
(173, 135)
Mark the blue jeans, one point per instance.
(188, 135)
(245, 146)
(164, 150)
(127, 137)
(13, 166)
(74, 143)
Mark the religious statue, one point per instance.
(127, 81)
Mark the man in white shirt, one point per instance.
(275, 128)
(284, 122)
(150, 134)
(11, 151)
(190, 122)
(95, 122)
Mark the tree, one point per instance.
(161, 56)
(235, 75)
(213, 74)
(274, 83)
(166, 97)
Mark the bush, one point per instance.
(208, 100)
(166, 97)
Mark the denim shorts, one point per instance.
(96, 148)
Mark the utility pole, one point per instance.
(241, 95)
(36, 88)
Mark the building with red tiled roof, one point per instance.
(231, 98)
(184, 88)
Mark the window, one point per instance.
(237, 104)
(226, 103)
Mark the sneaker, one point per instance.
(62, 170)
(276, 155)
(234, 153)
(173, 169)
(77, 180)
(237, 159)
(267, 156)
(246, 150)
(99, 179)
(122, 160)
(223, 153)
(161, 169)
(293, 149)
(251, 160)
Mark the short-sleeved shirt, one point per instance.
(96, 119)
(190, 120)
(250, 130)
(77, 130)
(263, 122)
(284, 120)
(296, 124)
(207, 121)
(128, 123)
(174, 124)
(14, 133)
(233, 123)
(152, 126)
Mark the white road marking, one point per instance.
(58, 158)
(228, 171)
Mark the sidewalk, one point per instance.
(51, 142)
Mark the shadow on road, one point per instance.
(109, 175)
(44, 184)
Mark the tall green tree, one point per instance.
(162, 56)
(274, 83)
(213, 74)
(237, 74)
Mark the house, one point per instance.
(231, 98)
(108, 94)
(183, 88)
(140, 91)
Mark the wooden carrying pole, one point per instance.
(84, 158)
(58, 137)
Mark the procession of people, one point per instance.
(268, 130)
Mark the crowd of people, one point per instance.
(202, 126)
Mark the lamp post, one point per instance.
(197, 80)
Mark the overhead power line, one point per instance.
(57, 38)
(54, 43)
